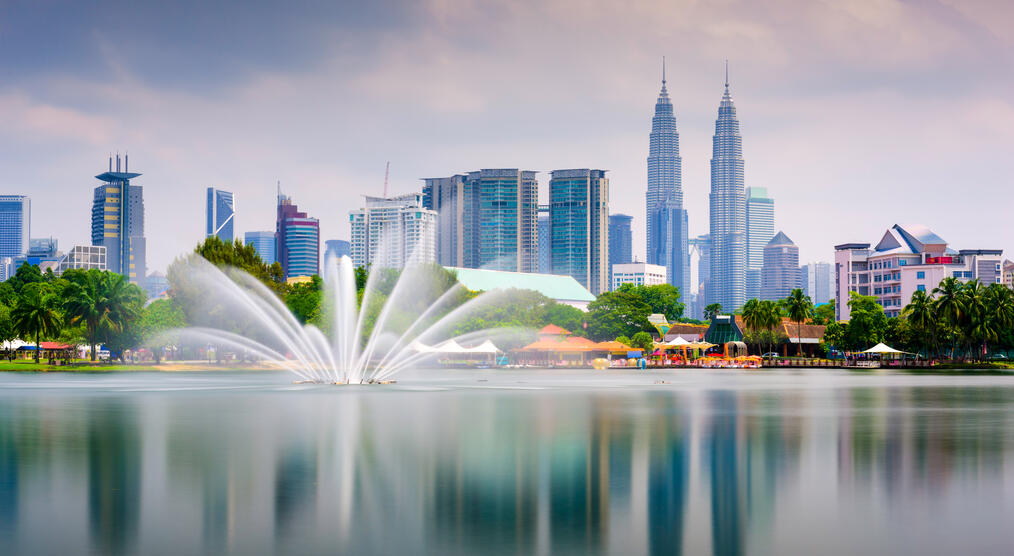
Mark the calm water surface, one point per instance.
(507, 462)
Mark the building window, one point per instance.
(921, 275)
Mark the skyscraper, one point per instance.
(620, 241)
(337, 248)
(486, 219)
(665, 186)
(15, 225)
(816, 280)
(728, 210)
(263, 243)
(780, 273)
(392, 232)
(544, 241)
(297, 240)
(118, 222)
(760, 228)
(670, 231)
(219, 210)
(579, 226)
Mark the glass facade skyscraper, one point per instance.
(579, 226)
(664, 197)
(544, 241)
(15, 225)
(727, 284)
(760, 228)
(780, 272)
(118, 222)
(297, 240)
(263, 243)
(620, 241)
(486, 219)
(337, 248)
(220, 210)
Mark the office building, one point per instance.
(638, 274)
(816, 279)
(15, 225)
(118, 221)
(908, 258)
(392, 232)
(297, 240)
(487, 219)
(84, 257)
(263, 243)
(780, 272)
(544, 241)
(760, 228)
(220, 211)
(620, 241)
(337, 248)
(1008, 273)
(728, 210)
(665, 183)
(670, 230)
(579, 226)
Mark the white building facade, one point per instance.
(84, 257)
(908, 258)
(393, 232)
(638, 274)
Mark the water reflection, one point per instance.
(725, 472)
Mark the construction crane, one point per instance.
(387, 173)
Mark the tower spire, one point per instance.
(726, 74)
(663, 71)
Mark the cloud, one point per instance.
(853, 114)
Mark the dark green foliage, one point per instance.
(660, 298)
(712, 310)
(643, 341)
(37, 313)
(617, 313)
(245, 257)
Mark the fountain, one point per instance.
(403, 316)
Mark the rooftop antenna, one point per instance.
(663, 71)
(387, 173)
(110, 162)
(126, 157)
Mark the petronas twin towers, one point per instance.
(668, 242)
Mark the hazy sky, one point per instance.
(855, 115)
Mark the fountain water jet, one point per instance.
(364, 345)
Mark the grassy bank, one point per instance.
(104, 366)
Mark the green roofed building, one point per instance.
(562, 289)
(723, 329)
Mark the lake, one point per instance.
(508, 462)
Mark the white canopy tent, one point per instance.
(883, 348)
(450, 346)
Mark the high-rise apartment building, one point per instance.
(908, 258)
(544, 241)
(760, 228)
(728, 210)
(337, 248)
(487, 219)
(579, 226)
(780, 272)
(297, 240)
(264, 243)
(392, 232)
(15, 225)
(816, 278)
(220, 211)
(118, 221)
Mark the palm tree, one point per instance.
(101, 301)
(770, 317)
(976, 327)
(799, 307)
(921, 314)
(752, 317)
(950, 303)
(999, 301)
(712, 310)
(36, 314)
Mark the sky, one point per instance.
(856, 115)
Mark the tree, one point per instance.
(158, 317)
(245, 257)
(712, 310)
(661, 298)
(304, 300)
(617, 313)
(24, 275)
(921, 315)
(867, 322)
(104, 302)
(949, 304)
(823, 313)
(36, 314)
(976, 324)
(799, 308)
(643, 341)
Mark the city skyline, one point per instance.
(836, 116)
